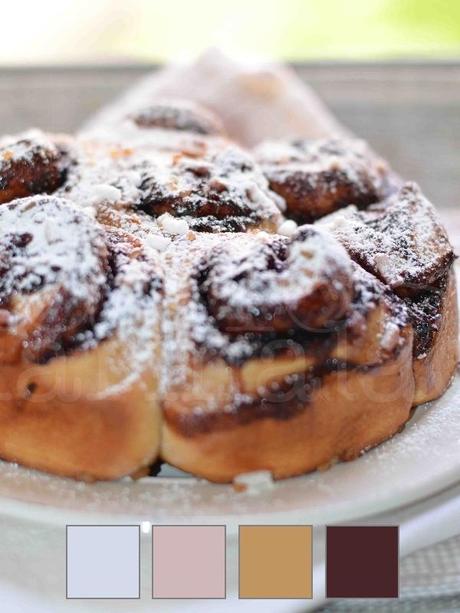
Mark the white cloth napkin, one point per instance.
(256, 101)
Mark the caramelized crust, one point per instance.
(30, 165)
(318, 177)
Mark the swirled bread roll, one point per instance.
(317, 177)
(281, 398)
(402, 242)
(80, 332)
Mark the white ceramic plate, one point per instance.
(420, 461)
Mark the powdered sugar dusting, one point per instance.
(254, 483)
(170, 124)
(213, 186)
(186, 323)
(217, 189)
(22, 146)
(46, 241)
(287, 228)
(93, 279)
(157, 241)
(310, 259)
(101, 174)
(189, 330)
(132, 310)
(402, 241)
(171, 225)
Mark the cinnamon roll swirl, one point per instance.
(53, 275)
(214, 186)
(306, 396)
(162, 124)
(402, 242)
(80, 331)
(317, 177)
(278, 284)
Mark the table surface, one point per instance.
(409, 112)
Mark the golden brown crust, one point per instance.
(81, 416)
(351, 412)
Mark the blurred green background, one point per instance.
(55, 31)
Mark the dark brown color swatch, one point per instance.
(362, 562)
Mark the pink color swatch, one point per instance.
(188, 561)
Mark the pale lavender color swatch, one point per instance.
(103, 561)
(189, 561)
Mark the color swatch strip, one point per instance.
(274, 562)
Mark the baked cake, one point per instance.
(169, 295)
